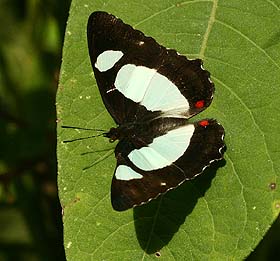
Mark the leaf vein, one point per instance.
(167, 9)
(212, 220)
(152, 228)
(208, 29)
(242, 194)
(273, 4)
(250, 41)
(110, 235)
(253, 120)
(243, 70)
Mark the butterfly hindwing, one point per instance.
(132, 185)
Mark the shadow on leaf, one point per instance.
(158, 221)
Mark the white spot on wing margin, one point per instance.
(107, 60)
(126, 173)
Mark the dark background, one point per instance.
(31, 37)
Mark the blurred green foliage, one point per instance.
(31, 36)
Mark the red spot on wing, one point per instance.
(204, 123)
(199, 104)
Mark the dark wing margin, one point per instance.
(106, 32)
(205, 147)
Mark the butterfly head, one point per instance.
(113, 134)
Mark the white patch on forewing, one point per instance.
(150, 88)
(107, 60)
(126, 173)
(164, 150)
(132, 81)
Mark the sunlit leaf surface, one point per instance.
(225, 212)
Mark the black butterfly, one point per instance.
(151, 91)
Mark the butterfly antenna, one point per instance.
(84, 138)
(80, 128)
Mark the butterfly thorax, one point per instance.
(142, 133)
(121, 132)
(134, 133)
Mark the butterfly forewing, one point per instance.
(142, 60)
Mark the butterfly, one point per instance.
(151, 91)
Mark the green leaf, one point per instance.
(224, 213)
